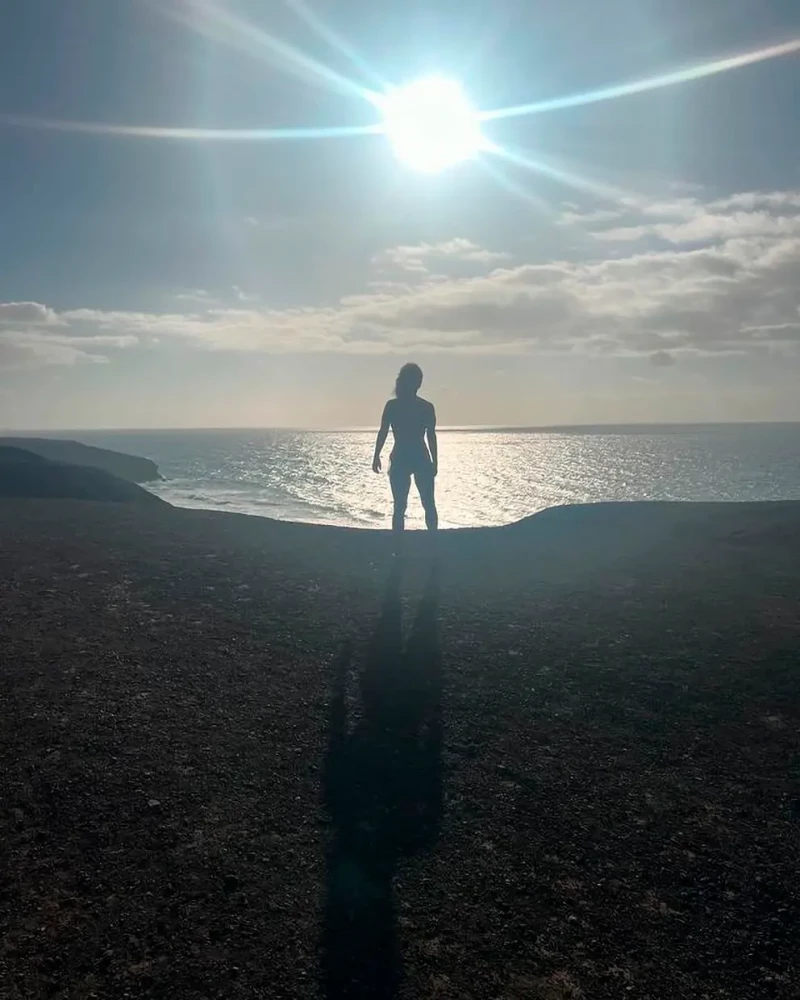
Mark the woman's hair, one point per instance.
(409, 379)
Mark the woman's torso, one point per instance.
(409, 420)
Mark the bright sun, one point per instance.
(431, 124)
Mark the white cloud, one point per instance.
(197, 295)
(242, 296)
(574, 217)
(416, 259)
(27, 313)
(27, 352)
(738, 292)
(707, 227)
(676, 208)
(204, 299)
(706, 300)
(687, 220)
(35, 336)
(751, 200)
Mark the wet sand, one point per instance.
(250, 759)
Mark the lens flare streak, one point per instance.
(188, 134)
(334, 39)
(597, 188)
(512, 187)
(220, 25)
(617, 90)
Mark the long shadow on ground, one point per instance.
(383, 794)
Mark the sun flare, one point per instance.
(431, 124)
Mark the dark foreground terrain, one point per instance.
(243, 759)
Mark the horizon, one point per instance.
(370, 429)
(612, 237)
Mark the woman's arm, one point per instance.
(380, 441)
(433, 444)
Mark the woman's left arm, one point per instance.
(380, 441)
(433, 444)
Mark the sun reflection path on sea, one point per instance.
(491, 478)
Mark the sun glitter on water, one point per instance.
(431, 124)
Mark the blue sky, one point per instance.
(650, 273)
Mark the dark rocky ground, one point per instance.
(244, 759)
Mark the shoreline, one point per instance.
(382, 523)
(692, 508)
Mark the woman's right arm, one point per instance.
(383, 433)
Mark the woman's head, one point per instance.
(409, 379)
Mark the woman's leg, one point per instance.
(426, 481)
(401, 483)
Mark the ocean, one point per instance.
(485, 478)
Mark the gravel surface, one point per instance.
(246, 759)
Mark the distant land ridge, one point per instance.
(24, 475)
(129, 467)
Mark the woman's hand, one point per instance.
(376, 463)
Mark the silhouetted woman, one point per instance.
(412, 420)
